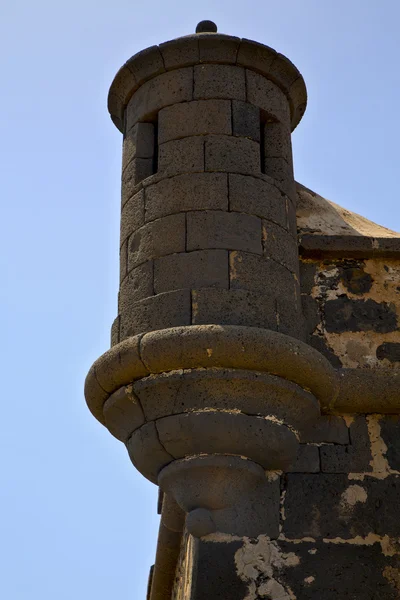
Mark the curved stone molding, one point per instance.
(191, 347)
(227, 494)
(203, 48)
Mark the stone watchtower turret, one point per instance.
(215, 380)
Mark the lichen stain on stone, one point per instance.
(370, 293)
(392, 575)
(351, 496)
(234, 257)
(259, 564)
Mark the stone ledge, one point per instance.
(187, 51)
(348, 246)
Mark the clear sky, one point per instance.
(76, 520)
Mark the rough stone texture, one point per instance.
(219, 81)
(215, 229)
(203, 268)
(194, 191)
(246, 120)
(164, 90)
(211, 49)
(138, 143)
(132, 216)
(181, 156)
(137, 285)
(257, 197)
(307, 460)
(226, 153)
(279, 245)
(180, 53)
(266, 95)
(355, 458)
(150, 242)
(233, 307)
(158, 312)
(199, 117)
(123, 413)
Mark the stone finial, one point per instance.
(206, 27)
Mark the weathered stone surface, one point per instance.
(146, 64)
(204, 268)
(227, 153)
(329, 430)
(181, 156)
(168, 88)
(123, 413)
(277, 142)
(138, 143)
(389, 430)
(157, 312)
(279, 169)
(199, 117)
(233, 307)
(137, 285)
(123, 261)
(217, 229)
(213, 51)
(181, 52)
(115, 331)
(249, 392)
(136, 171)
(214, 432)
(132, 216)
(255, 56)
(355, 458)
(332, 506)
(260, 274)
(346, 314)
(389, 351)
(194, 191)
(158, 238)
(266, 95)
(245, 120)
(307, 460)
(255, 196)
(219, 81)
(279, 245)
(146, 452)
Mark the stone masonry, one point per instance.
(254, 368)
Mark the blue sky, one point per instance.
(76, 520)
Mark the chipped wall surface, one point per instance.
(339, 531)
(352, 310)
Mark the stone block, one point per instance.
(255, 56)
(158, 238)
(199, 117)
(123, 413)
(355, 458)
(291, 217)
(115, 332)
(332, 506)
(146, 64)
(146, 452)
(138, 143)
(181, 156)
(123, 261)
(280, 246)
(348, 314)
(194, 191)
(255, 196)
(204, 268)
(307, 460)
(138, 284)
(217, 229)
(329, 430)
(260, 274)
(266, 95)
(137, 170)
(246, 120)
(308, 271)
(278, 142)
(122, 86)
(312, 316)
(132, 216)
(158, 312)
(181, 52)
(219, 81)
(278, 168)
(290, 317)
(284, 71)
(390, 434)
(161, 91)
(233, 307)
(215, 48)
(227, 153)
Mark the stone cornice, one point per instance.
(206, 48)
